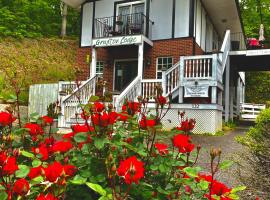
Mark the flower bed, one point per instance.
(117, 155)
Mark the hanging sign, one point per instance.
(259, 52)
(196, 91)
(117, 41)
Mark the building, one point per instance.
(184, 45)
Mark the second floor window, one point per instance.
(99, 68)
(163, 63)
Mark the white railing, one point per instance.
(71, 103)
(172, 79)
(149, 87)
(130, 93)
(249, 112)
(67, 87)
(225, 50)
(198, 67)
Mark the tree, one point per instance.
(35, 18)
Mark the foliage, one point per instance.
(32, 19)
(34, 61)
(257, 89)
(51, 111)
(257, 141)
(116, 155)
(228, 126)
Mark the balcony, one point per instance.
(123, 25)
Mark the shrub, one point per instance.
(257, 141)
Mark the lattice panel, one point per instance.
(207, 121)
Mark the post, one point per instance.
(232, 93)
(93, 63)
(238, 95)
(227, 90)
(164, 82)
(214, 95)
(140, 60)
(181, 77)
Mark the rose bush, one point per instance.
(119, 155)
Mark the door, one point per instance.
(125, 73)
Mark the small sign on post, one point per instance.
(196, 91)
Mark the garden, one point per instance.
(119, 156)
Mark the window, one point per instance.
(99, 68)
(163, 63)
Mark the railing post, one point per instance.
(93, 63)
(181, 76)
(214, 67)
(164, 84)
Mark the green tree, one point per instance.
(35, 18)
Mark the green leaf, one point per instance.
(37, 180)
(80, 137)
(225, 164)
(36, 163)
(203, 184)
(27, 154)
(78, 180)
(93, 99)
(192, 171)
(22, 172)
(97, 188)
(233, 196)
(160, 190)
(100, 142)
(238, 189)
(3, 196)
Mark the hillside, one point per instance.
(32, 61)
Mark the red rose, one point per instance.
(3, 157)
(134, 107)
(34, 129)
(187, 125)
(162, 100)
(101, 119)
(6, 119)
(182, 142)
(49, 196)
(21, 187)
(70, 170)
(123, 116)
(112, 117)
(41, 150)
(53, 171)
(47, 120)
(99, 106)
(82, 128)
(144, 123)
(35, 172)
(162, 148)
(62, 146)
(131, 170)
(68, 136)
(84, 115)
(10, 166)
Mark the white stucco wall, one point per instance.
(203, 30)
(209, 36)
(161, 14)
(181, 18)
(87, 21)
(104, 8)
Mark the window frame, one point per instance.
(98, 67)
(162, 64)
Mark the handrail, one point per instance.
(131, 92)
(225, 49)
(78, 89)
(173, 68)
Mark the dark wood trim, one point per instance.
(147, 17)
(191, 17)
(94, 16)
(195, 28)
(173, 18)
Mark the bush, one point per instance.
(257, 141)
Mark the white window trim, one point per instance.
(98, 73)
(162, 63)
(129, 4)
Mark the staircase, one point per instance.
(203, 70)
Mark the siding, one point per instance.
(87, 21)
(161, 14)
(182, 18)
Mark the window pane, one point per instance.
(159, 75)
(160, 61)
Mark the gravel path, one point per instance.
(229, 148)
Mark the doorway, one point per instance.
(125, 72)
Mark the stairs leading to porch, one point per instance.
(190, 71)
